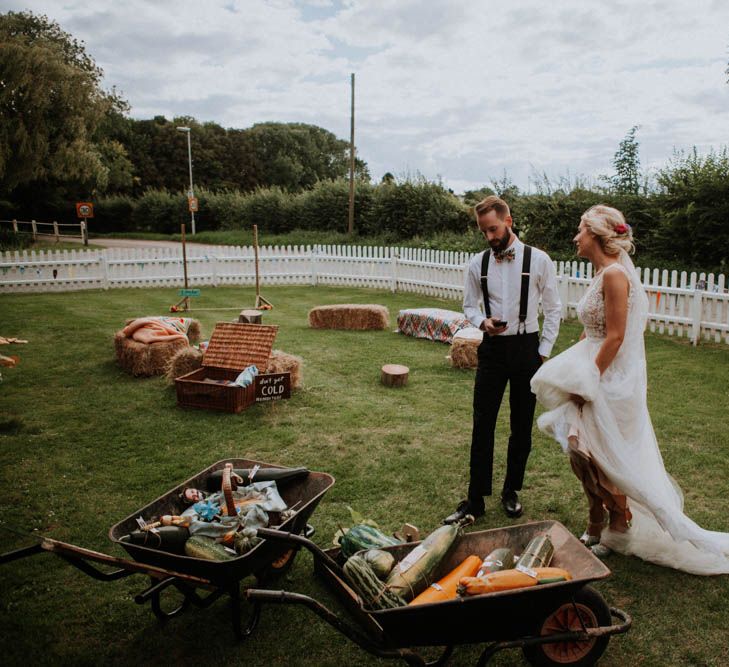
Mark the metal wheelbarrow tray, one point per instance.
(304, 494)
(267, 560)
(558, 623)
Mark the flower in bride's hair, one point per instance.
(621, 229)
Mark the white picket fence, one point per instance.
(691, 305)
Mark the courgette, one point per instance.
(200, 546)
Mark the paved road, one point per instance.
(124, 243)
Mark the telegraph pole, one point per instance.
(350, 227)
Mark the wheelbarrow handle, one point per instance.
(294, 539)
(323, 612)
(79, 557)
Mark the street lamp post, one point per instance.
(191, 193)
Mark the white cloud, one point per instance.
(455, 88)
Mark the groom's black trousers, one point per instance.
(502, 359)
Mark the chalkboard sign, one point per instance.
(273, 387)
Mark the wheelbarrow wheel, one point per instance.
(593, 612)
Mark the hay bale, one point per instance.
(193, 328)
(464, 349)
(184, 361)
(142, 360)
(280, 362)
(359, 317)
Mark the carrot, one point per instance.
(445, 589)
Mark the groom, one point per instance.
(508, 280)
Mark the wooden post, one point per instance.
(15, 226)
(261, 303)
(184, 264)
(350, 226)
(84, 232)
(35, 229)
(55, 231)
(255, 253)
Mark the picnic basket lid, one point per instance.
(235, 346)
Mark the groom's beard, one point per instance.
(501, 244)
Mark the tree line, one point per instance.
(63, 138)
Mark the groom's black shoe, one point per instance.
(465, 507)
(510, 503)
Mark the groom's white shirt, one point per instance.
(504, 281)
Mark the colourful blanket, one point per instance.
(431, 323)
(150, 330)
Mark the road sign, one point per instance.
(189, 292)
(84, 209)
(192, 204)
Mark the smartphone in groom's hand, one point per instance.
(498, 323)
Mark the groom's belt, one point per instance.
(512, 336)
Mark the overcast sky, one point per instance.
(457, 89)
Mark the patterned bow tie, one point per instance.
(507, 255)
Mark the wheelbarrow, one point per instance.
(562, 623)
(266, 561)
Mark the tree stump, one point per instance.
(249, 317)
(394, 375)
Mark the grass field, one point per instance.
(82, 445)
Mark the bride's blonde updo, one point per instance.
(609, 226)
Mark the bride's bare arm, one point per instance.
(615, 286)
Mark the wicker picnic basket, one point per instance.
(232, 348)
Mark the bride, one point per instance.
(595, 396)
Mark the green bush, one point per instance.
(160, 211)
(694, 210)
(326, 206)
(113, 214)
(550, 221)
(415, 208)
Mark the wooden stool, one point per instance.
(394, 375)
(249, 317)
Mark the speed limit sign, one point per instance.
(84, 209)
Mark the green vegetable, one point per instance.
(380, 561)
(414, 573)
(363, 536)
(199, 546)
(374, 594)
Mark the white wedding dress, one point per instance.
(615, 429)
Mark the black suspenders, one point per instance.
(485, 282)
(523, 298)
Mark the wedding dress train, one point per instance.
(614, 428)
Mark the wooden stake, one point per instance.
(261, 303)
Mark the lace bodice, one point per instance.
(591, 308)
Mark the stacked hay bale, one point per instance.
(146, 360)
(464, 349)
(280, 362)
(358, 317)
(184, 361)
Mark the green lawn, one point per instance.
(82, 445)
